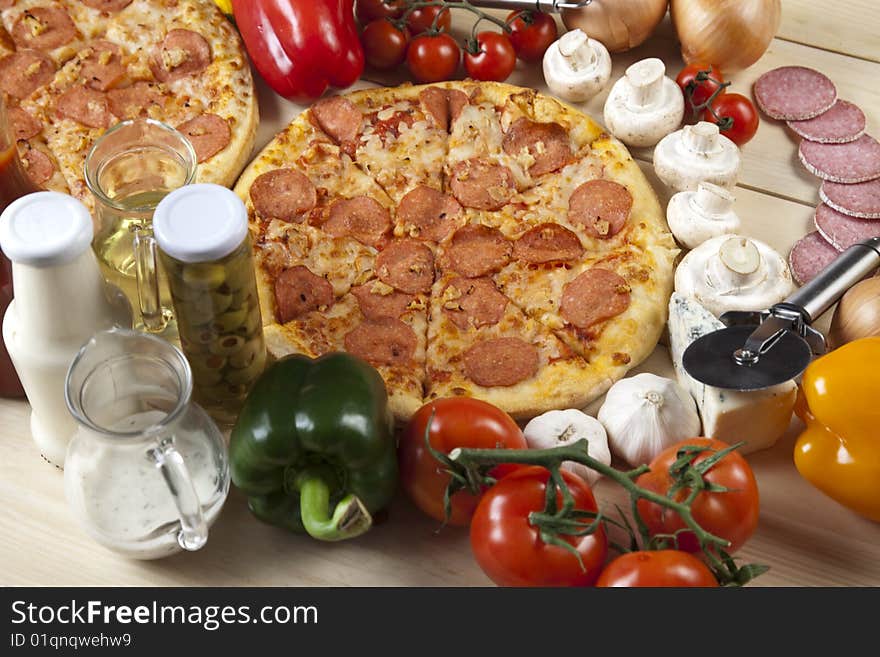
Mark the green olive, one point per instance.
(203, 378)
(206, 363)
(248, 352)
(240, 297)
(229, 321)
(196, 334)
(220, 301)
(204, 275)
(227, 345)
(249, 373)
(253, 322)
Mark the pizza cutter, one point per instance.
(764, 348)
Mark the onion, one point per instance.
(857, 315)
(732, 34)
(618, 24)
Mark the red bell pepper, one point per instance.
(301, 47)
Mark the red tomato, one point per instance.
(732, 515)
(369, 10)
(458, 422)
(433, 57)
(494, 60)
(531, 34)
(421, 19)
(743, 117)
(659, 568)
(697, 93)
(384, 45)
(509, 549)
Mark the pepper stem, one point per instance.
(349, 519)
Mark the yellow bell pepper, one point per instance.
(839, 451)
(225, 6)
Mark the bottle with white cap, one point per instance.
(202, 233)
(61, 300)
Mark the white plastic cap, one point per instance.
(200, 223)
(45, 229)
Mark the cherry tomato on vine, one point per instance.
(369, 10)
(657, 568)
(421, 19)
(701, 91)
(433, 57)
(742, 113)
(384, 44)
(732, 515)
(509, 548)
(457, 422)
(494, 59)
(531, 33)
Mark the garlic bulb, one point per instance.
(619, 25)
(557, 428)
(645, 414)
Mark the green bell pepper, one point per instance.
(313, 447)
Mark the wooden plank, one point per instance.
(845, 27)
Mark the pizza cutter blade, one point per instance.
(749, 356)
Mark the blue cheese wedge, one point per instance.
(758, 417)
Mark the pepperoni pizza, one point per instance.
(466, 239)
(72, 68)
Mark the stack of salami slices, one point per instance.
(835, 148)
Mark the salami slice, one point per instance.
(362, 217)
(38, 165)
(182, 53)
(298, 291)
(443, 105)
(842, 231)
(24, 72)
(284, 194)
(428, 214)
(547, 243)
(809, 256)
(406, 265)
(476, 251)
(602, 207)
(857, 200)
(794, 93)
(43, 28)
(482, 185)
(384, 341)
(24, 125)
(134, 101)
(102, 68)
(853, 162)
(594, 296)
(208, 133)
(375, 302)
(340, 119)
(86, 106)
(501, 362)
(473, 302)
(546, 144)
(844, 122)
(110, 6)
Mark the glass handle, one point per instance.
(193, 532)
(146, 263)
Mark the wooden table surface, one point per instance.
(804, 537)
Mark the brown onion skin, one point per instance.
(619, 24)
(857, 315)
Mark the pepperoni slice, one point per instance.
(473, 301)
(842, 231)
(857, 200)
(853, 162)
(110, 6)
(481, 185)
(38, 166)
(298, 291)
(208, 133)
(547, 243)
(478, 250)
(501, 362)
(340, 119)
(406, 265)
(86, 106)
(809, 256)
(134, 101)
(443, 105)
(547, 143)
(844, 122)
(102, 68)
(24, 72)
(43, 28)
(384, 341)
(794, 93)
(601, 206)
(362, 217)
(284, 194)
(24, 125)
(431, 213)
(381, 303)
(181, 53)
(594, 296)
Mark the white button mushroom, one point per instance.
(695, 154)
(731, 272)
(695, 217)
(644, 105)
(576, 67)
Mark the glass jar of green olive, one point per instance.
(202, 233)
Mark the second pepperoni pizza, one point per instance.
(466, 239)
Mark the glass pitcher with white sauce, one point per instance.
(147, 471)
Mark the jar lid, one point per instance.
(200, 223)
(45, 229)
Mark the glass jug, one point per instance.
(147, 471)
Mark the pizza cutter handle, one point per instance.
(547, 6)
(846, 270)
